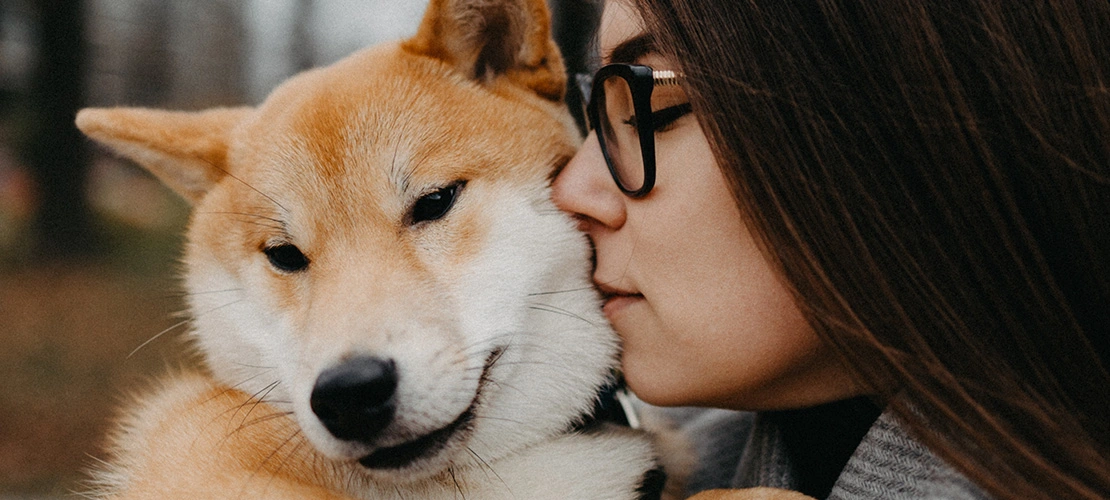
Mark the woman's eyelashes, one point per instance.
(664, 119)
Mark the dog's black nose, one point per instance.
(354, 400)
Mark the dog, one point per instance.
(387, 302)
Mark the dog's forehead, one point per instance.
(384, 116)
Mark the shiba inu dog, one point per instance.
(389, 304)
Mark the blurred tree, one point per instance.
(148, 73)
(209, 59)
(56, 152)
(301, 50)
(4, 92)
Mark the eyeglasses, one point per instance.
(620, 110)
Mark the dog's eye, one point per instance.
(435, 205)
(286, 257)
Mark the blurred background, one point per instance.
(89, 243)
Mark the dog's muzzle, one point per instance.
(354, 400)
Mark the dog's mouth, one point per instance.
(405, 454)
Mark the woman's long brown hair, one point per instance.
(932, 180)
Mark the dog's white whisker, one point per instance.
(159, 334)
(559, 310)
(244, 218)
(224, 171)
(259, 367)
(558, 292)
(207, 292)
(175, 326)
(501, 419)
(278, 222)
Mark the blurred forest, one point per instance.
(88, 243)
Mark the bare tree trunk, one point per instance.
(148, 72)
(302, 49)
(56, 152)
(209, 60)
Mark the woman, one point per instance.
(895, 207)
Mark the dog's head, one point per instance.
(374, 249)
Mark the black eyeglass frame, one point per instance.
(641, 82)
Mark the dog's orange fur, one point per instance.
(253, 453)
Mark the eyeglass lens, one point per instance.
(621, 135)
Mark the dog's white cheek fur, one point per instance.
(531, 295)
(243, 337)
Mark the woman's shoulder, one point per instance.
(889, 463)
(740, 450)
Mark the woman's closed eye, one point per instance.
(664, 119)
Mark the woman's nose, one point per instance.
(585, 187)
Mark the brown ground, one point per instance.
(66, 332)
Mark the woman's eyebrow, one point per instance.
(630, 50)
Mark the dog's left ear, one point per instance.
(491, 39)
(186, 150)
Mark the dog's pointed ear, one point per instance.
(490, 39)
(186, 150)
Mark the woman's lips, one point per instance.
(617, 303)
(616, 300)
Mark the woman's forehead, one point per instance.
(620, 26)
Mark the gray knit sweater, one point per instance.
(740, 450)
